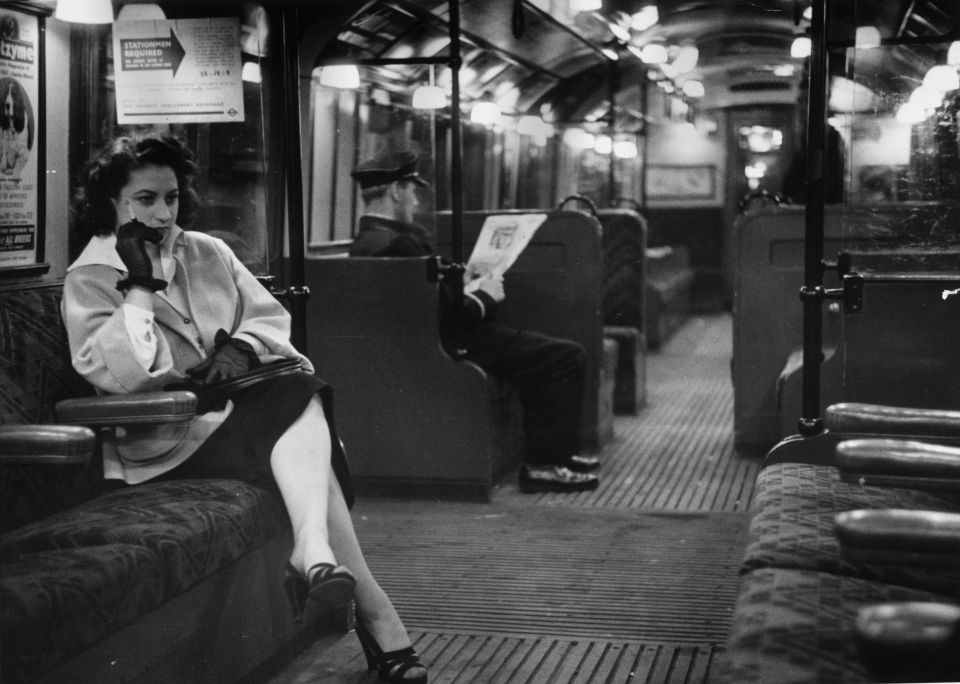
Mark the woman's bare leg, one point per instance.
(301, 466)
(374, 607)
(322, 524)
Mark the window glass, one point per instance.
(239, 183)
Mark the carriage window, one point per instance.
(899, 136)
(352, 125)
(241, 193)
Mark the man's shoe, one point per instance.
(555, 479)
(583, 464)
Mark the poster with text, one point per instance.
(19, 169)
(178, 71)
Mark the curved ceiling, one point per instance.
(534, 52)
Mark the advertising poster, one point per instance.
(19, 169)
(178, 71)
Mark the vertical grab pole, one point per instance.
(644, 96)
(456, 163)
(612, 123)
(812, 293)
(456, 144)
(296, 292)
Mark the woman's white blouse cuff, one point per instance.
(143, 339)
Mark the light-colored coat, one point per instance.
(210, 289)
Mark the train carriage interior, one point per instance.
(745, 212)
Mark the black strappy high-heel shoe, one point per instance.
(392, 666)
(328, 595)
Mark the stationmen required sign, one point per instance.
(178, 71)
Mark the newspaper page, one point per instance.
(502, 238)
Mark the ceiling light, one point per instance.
(910, 113)
(867, 37)
(926, 98)
(784, 70)
(603, 144)
(620, 33)
(645, 18)
(84, 11)
(429, 97)
(530, 125)
(686, 60)
(693, 88)
(485, 113)
(585, 5)
(141, 11)
(800, 48)
(611, 54)
(942, 77)
(344, 76)
(251, 72)
(653, 54)
(953, 53)
(625, 149)
(578, 139)
(535, 127)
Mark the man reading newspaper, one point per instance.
(547, 372)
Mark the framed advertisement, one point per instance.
(681, 182)
(22, 152)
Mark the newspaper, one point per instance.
(502, 238)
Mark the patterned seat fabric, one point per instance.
(796, 627)
(86, 572)
(35, 373)
(624, 267)
(78, 562)
(793, 525)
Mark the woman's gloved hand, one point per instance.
(131, 246)
(231, 357)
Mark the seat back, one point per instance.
(624, 266)
(35, 373)
(414, 421)
(767, 312)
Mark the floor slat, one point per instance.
(632, 583)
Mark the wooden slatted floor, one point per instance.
(634, 582)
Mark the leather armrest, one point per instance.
(899, 463)
(46, 444)
(892, 420)
(128, 409)
(900, 536)
(913, 641)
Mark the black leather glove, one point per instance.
(131, 239)
(231, 357)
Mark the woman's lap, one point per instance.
(241, 447)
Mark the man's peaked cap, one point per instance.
(388, 168)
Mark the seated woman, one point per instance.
(148, 304)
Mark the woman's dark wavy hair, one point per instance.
(106, 175)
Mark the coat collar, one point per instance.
(102, 251)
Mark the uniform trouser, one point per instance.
(548, 374)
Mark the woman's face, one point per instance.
(152, 196)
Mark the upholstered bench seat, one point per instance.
(797, 626)
(793, 525)
(60, 601)
(71, 579)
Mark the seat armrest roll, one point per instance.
(128, 409)
(45, 444)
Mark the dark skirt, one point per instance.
(240, 448)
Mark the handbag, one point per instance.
(213, 396)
